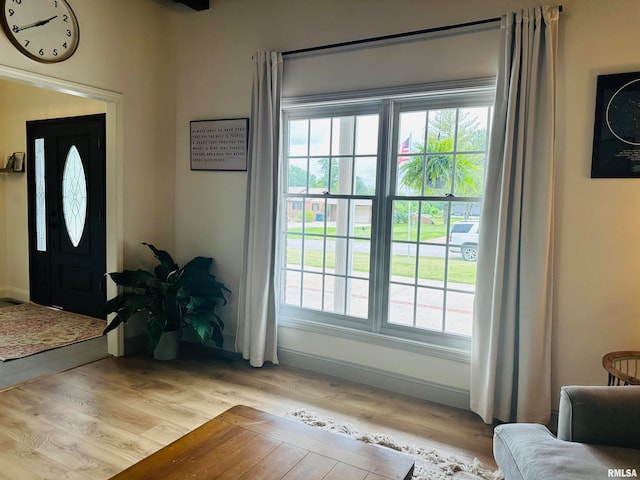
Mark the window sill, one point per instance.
(403, 344)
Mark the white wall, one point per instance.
(596, 221)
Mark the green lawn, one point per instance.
(403, 231)
(430, 268)
(400, 231)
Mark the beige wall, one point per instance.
(597, 224)
(596, 221)
(130, 54)
(173, 65)
(126, 48)
(20, 103)
(3, 231)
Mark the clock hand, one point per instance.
(35, 24)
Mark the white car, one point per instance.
(463, 238)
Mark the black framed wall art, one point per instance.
(616, 135)
(219, 144)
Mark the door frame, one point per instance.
(114, 169)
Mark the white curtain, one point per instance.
(256, 334)
(510, 361)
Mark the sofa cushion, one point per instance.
(527, 451)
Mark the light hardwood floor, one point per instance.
(93, 421)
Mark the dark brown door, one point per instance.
(66, 177)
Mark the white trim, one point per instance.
(383, 340)
(474, 86)
(114, 157)
(394, 382)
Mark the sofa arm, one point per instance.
(600, 415)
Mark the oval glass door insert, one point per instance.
(74, 196)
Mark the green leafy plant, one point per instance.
(170, 298)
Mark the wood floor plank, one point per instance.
(69, 450)
(94, 403)
(165, 432)
(91, 421)
(121, 443)
(24, 462)
(135, 399)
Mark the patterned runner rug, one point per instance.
(28, 328)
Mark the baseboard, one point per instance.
(6, 301)
(15, 294)
(135, 344)
(374, 377)
(138, 344)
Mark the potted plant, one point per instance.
(170, 299)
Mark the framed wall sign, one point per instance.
(219, 144)
(616, 136)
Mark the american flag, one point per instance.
(404, 148)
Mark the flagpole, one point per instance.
(409, 231)
(409, 217)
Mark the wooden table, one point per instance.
(245, 443)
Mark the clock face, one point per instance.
(44, 30)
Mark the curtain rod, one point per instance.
(397, 35)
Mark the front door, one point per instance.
(67, 204)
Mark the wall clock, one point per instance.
(43, 30)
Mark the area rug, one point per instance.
(429, 464)
(27, 328)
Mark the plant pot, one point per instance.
(168, 346)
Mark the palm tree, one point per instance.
(433, 167)
(440, 168)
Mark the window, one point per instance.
(390, 190)
(41, 197)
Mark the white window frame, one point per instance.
(388, 103)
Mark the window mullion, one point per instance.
(381, 247)
(445, 285)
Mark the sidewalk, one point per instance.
(428, 301)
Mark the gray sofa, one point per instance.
(598, 438)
